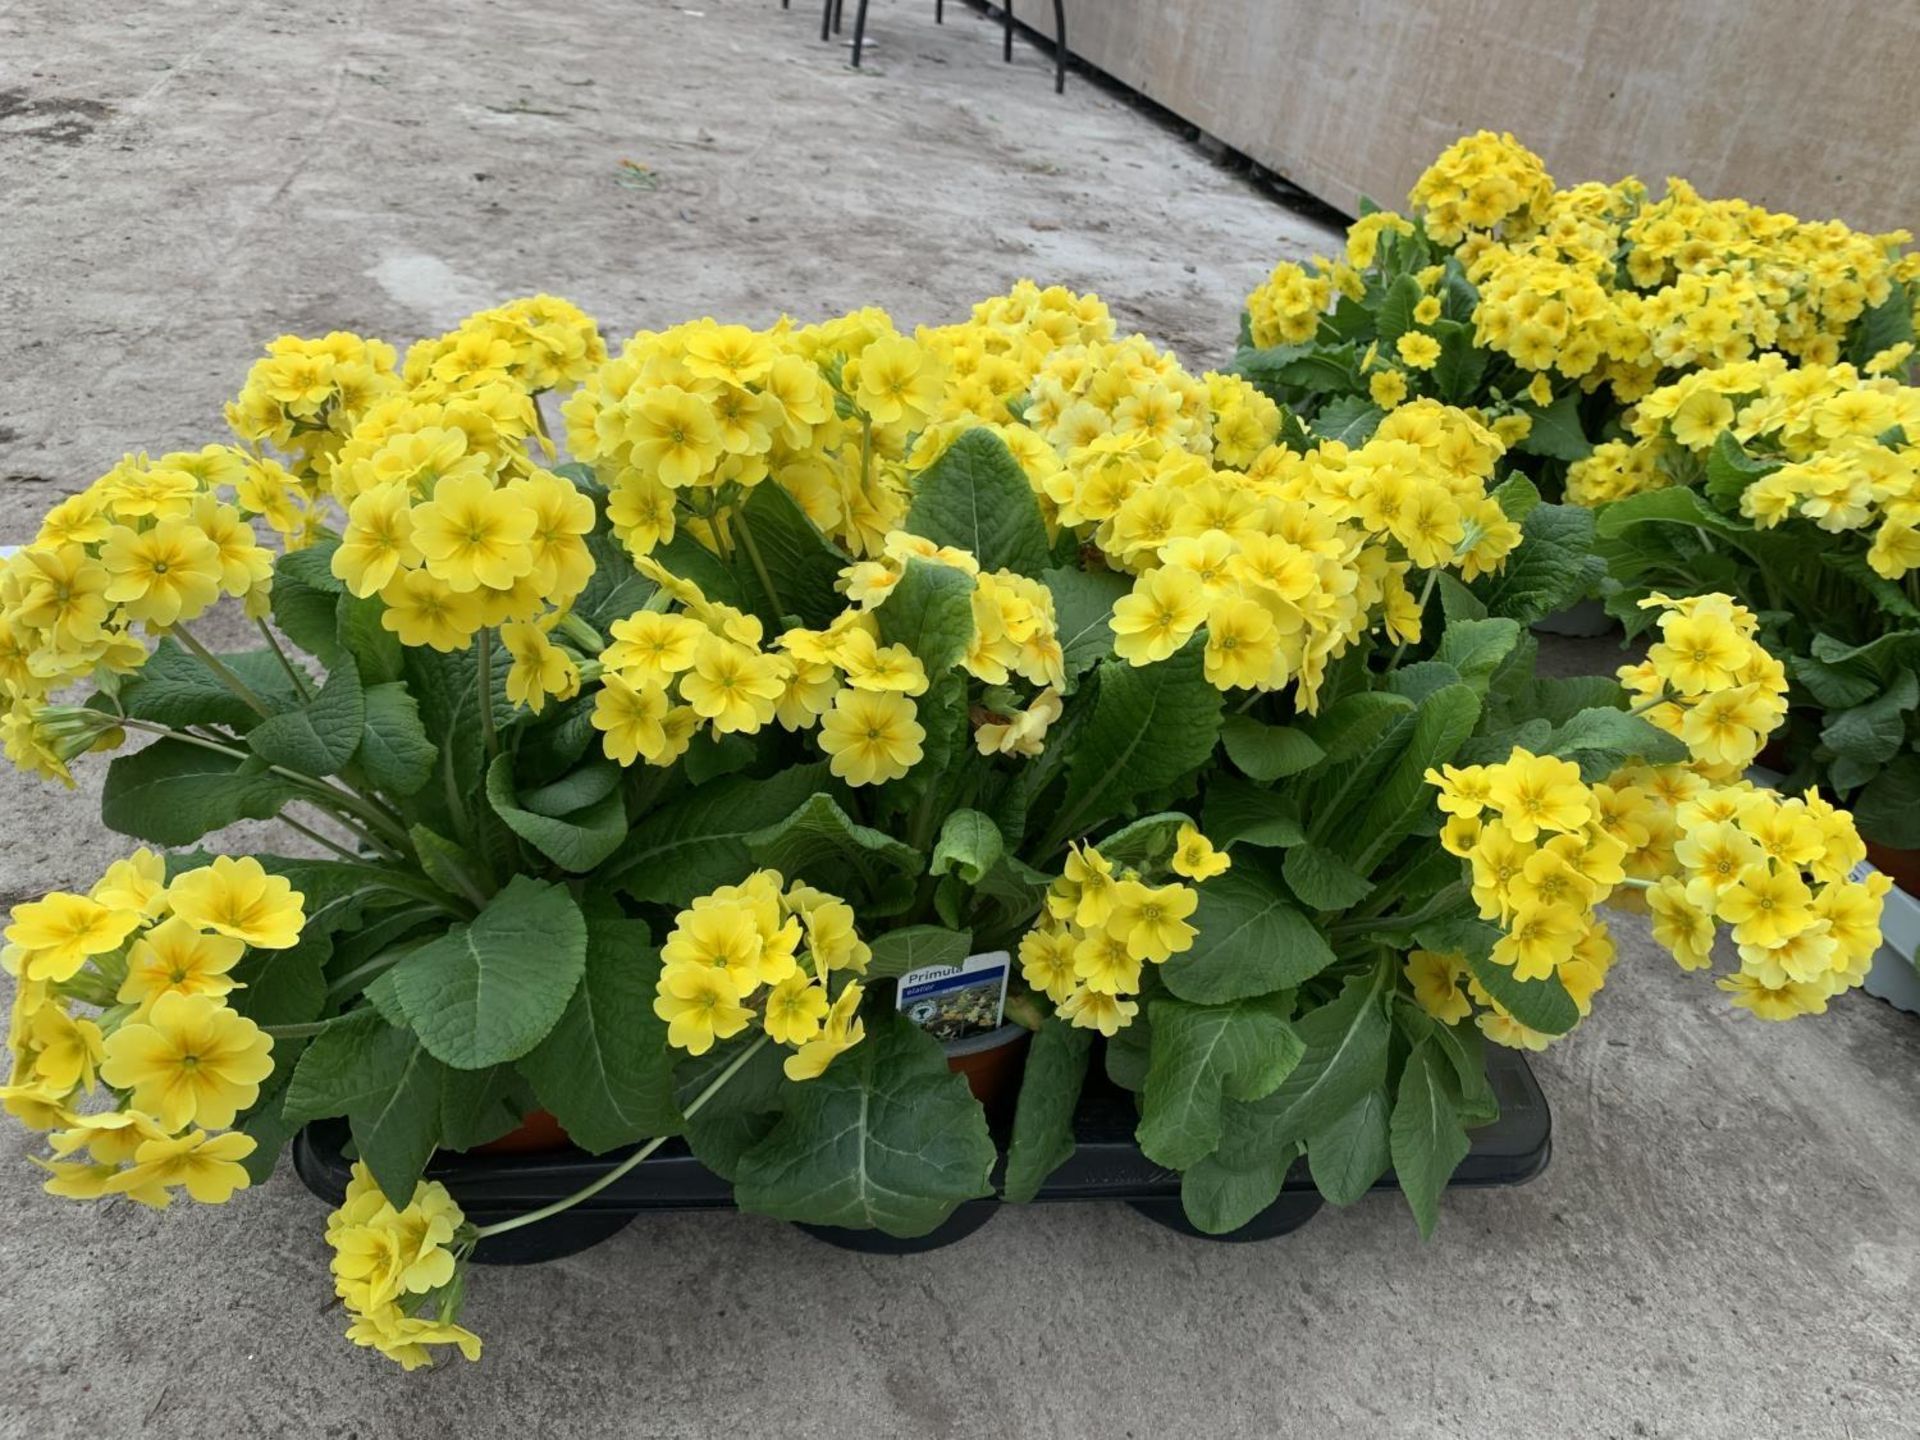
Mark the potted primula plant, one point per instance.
(1551, 312)
(633, 786)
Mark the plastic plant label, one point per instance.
(952, 1002)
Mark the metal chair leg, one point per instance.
(826, 21)
(839, 15)
(1006, 48)
(1059, 47)
(939, 12)
(859, 31)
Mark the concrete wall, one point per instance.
(1800, 105)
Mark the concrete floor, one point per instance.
(1724, 1245)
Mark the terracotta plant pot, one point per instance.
(539, 1133)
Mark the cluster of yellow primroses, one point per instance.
(1101, 924)
(1694, 843)
(668, 672)
(123, 1046)
(1601, 284)
(765, 950)
(400, 1272)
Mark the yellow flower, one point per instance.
(1437, 981)
(1419, 350)
(192, 1061)
(1387, 388)
(1161, 613)
(177, 958)
(898, 381)
(1538, 938)
(1766, 908)
(1047, 962)
(872, 736)
(65, 1050)
(207, 1165)
(723, 938)
(404, 1338)
(842, 1030)
(540, 668)
(138, 883)
(732, 685)
(1427, 311)
(1152, 920)
(872, 666)
(1097, 1010)
(701, 1004)
(650, 648)
(675, 437)
(163, 575)
(424, 610)
(1539, 792)
(378, 539)
(562, 519)
(1698, 653)
(1242, 645)
(473, 535)
(631, 717)
(60, 932)
(1681, 926)
(239, 898)
(64, 592)
(1773, 1002)
(795, 1008)
(732, 354)
(1090, 886)
(1502, 1029)
(1195, 857)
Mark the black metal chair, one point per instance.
(834, 13)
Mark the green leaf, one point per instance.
(1888, 809)
(395, 752)
(820, 844)
(175, 688)
(1043, 1120)
(1353, 724)
(1349, 1154)
(802, 563)
(478, 1106)
(1542, 1005)
(741, 1113)
(1873, 733)
(887, 1138)
(915, 948)
(1252, 940)
(450, 866)
(1241, 813)
(576, 842)
(173, 792)
(1730, 470)
(1345, 1058)
(1234, 1184)
(1516, 496)
(1403, 800)
(1150, 727)
(308, 615)
(1322, 880)
(1428, 1141)
(1144, 843)
(1202, 1057)
(605, 1071)
(1553, 567)
(969, 846)
(311, 566)
(574, 791)
(1350, 419)
(387, 1086)
(930, 611)
(1887, 324)
(1475, 648)
(1556, 430)
(1462, 364)
(1083, 602)
(284, 987)
(977, 498)
(319, 737)
(375, 650)
(1394, 317)
(488, 992)
(688, 847)
(1268, 752)
(1603, 739)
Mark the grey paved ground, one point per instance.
(1725, 1245)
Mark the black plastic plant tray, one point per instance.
(1107, 1165)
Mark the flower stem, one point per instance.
(296, 1032)
(484, 646)
(219, 667)
(319, 839)
(759, 564)
(1654, 704)
(547, 1212)
(300, 684)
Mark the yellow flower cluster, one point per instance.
(1101, 924)
(1286, 308)
(667, 673)
(765, 949)
(534, 344)
(149, 546)
(1842, 432)
(400, 1272)
(305, 396)
(1482, 183)
(1708, 681)
(152, 962)
(1614, 470)
(991, 360)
